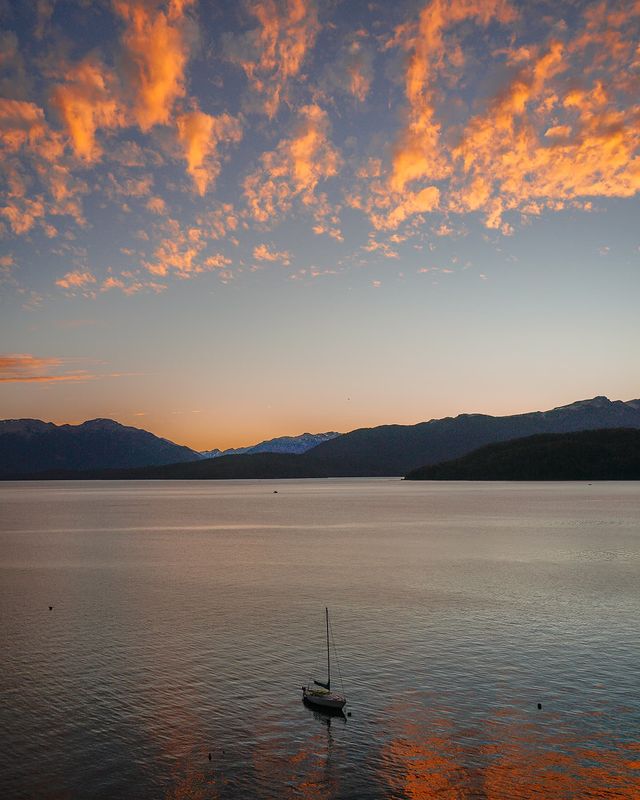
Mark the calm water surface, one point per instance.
(188, 614)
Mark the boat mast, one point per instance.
(326, 611)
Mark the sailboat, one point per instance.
(318, 693)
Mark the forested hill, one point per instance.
(612, 454)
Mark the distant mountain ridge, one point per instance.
(605, 454)
(32, 446)
(387, 450)
(397, 449)
(282, 444)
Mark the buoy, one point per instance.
(348, 713)
(275, 491)
(50, 608)
(539, 706)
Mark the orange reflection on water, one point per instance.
(518, 759)
(528, 774)
(192, 785)
(421, 768)
(306, 773)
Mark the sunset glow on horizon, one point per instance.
(227, 222)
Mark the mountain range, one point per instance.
(385, 450)
(283, 444)
(29, 445)
(32, 446)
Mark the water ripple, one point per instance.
(186, 616)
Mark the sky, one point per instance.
(225, 222)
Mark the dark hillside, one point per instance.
(612, 454)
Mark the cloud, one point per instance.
(180, 251)
(156, 46)
(76, 280)
(561, 129)
(479, 111)
(128, 283)
(86, 101)
(22, 213)
(7, 263)
(418, 154)
(175, 255)
(21, 123)
(218, 261)
(157, 205)
(200, 135)
(262, 252)
(293, 171)
(27, 368)
(217, 223)
(510, 157)
(272, 54)
(373, 246)
(25, 362)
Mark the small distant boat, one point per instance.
(318, 693)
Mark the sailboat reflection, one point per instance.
(325, 715)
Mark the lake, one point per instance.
(187, 615)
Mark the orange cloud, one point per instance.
(129, 284)
(156, 51)
(87, 101)
(21, 122)
(27, 368)
(510, 157)
(76, 280)
(418, 153)
(157, 205)
(373, 246)
(262, 253)
(359, 77)
(169, 255)
(294, 170)
(217, 223)
(216, 262)
(19, 362)
(273, 54)
(545, 139)
(180, 251)
(22, 213)
(200, 135)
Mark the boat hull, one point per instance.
(326, 700)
